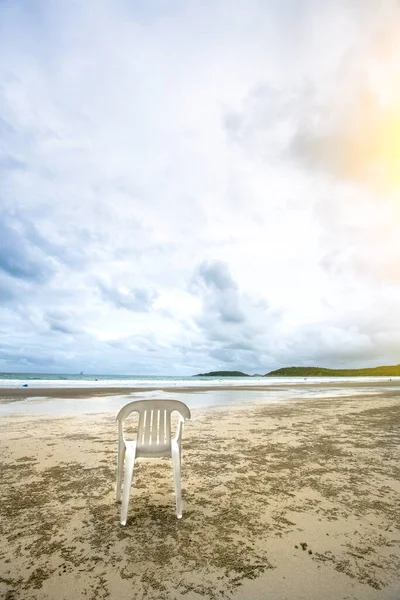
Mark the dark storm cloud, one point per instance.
(19, 256)
(64, 327)
(234, 326)
(8, 289)
(220, 293)
(135, 299)
(216, 275)
(10, 163)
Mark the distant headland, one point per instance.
(389, 371)
(322, 372)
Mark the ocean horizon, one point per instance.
(13, 380)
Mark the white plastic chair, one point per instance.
(153, 440)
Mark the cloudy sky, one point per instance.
(190, 185)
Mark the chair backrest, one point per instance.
(154, 427)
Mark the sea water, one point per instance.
(42, 380)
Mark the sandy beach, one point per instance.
(298, 499)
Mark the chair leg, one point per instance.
(129, 466)
(120, 470)
(176, 465)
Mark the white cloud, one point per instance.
(177, 190)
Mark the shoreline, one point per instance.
(13, 394)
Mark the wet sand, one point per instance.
(295, 500)
(16, 394)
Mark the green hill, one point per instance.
(222, 374)
(393, 371)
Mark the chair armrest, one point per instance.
(178, 436)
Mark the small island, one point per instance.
(222, 374)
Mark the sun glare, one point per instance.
(373, 143)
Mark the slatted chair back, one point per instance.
(154, 426)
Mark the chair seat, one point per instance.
(156, 451)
